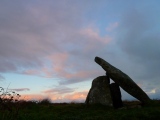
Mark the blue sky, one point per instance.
(47, 48)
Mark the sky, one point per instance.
(47, 47)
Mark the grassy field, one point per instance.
(78, 111)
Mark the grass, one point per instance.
(68, 111)
(45, 110)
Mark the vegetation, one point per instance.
(45, 110)
(8, 104)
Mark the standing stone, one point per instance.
(99, 92)
(116, 95)
(124, 81)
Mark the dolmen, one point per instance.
(109, 94)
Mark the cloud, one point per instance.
(112, 26)
(1, 78)
(75, 58)
(137, 36)
(136, 43)
(80, 96)
(155, 93)
(77, 96)
(59, 98)
(49, 41)
(20, 89)
(32, 97)
(59, 90)
(25, 37)
(58, 94)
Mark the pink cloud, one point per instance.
(61, 66)
(58, 61)
(89, 40)
(32, 97)
(93, 35)
(67, 66)
(73, 63)
(57, 64)
(112, 26)
(51, 44)
(76, 96)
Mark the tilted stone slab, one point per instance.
(99, 92)
(124, 81)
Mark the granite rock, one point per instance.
(99, 92)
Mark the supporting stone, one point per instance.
(124, 81)
(99, 92)
(116, 95)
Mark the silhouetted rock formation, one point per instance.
(116, 95)
(99, 92)
(123, 81)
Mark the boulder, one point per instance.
(99, 92)
(124, 81)
(116, 95)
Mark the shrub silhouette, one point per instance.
(45, 101)
(9, 103)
